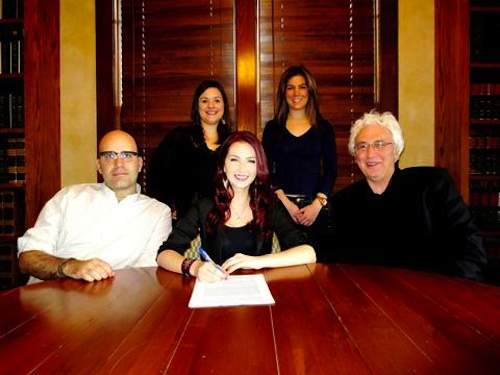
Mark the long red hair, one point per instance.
(261, 193)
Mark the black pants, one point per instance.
(318, 231)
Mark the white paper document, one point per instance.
(234, 291)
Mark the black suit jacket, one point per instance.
(420, 221)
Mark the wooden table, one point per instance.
(328, 319)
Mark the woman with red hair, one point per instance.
(236, 226)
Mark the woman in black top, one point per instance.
(236, 225)
(301, 152)
(184, 163)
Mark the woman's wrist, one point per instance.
(186, 266)
(280, 194)
(195, 267)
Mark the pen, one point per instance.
(205, 256)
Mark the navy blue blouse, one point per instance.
(304, 165)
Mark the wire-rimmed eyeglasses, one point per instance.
(377, 145)
(113, 155)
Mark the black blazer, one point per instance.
(194, 223)
(420, 221)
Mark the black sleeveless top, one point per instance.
(238, 240)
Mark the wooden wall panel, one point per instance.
(42, 103)
(452, 90)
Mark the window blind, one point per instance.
(168, 47)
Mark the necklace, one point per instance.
(238, 216)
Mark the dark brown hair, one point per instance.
(224, 126)
(312, 107)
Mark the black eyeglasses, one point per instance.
(377, 146)
(124, 155)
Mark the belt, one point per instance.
(303, 200)
(299, 197)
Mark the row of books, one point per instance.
(11, 8)
(12, 160)
(484, 31)
(11, 109)
(485, 88)
(484, 161)
(485, 107)
(11, 213)
(487, 218)
(11, 51)
(484, 142)
(484, 200)
(484, 193)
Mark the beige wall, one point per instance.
(78, 92)
(416, 81)
(78, 108)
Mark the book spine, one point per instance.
(11, 8)
(10, 214)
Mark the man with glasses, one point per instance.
(411, 218)
(87, 231)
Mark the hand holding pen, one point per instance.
(222, 272)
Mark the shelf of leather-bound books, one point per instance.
(12, 158)
(11, 103)
(484, 31)
(484, 126)
(12, 138)
(484, 200)
(485, 122)
(484, 149)
(12, 47)
(487, 219)
(484, 164)
(485, 105)
(11, 213)
(12, 225)
(11, 65)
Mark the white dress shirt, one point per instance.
(87, 221)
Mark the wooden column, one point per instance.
(246, 57)
(42, 104)
(452, 90)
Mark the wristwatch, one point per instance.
(323, 201)
(60, 271)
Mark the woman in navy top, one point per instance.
(301, 152)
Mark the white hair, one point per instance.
(387, 120)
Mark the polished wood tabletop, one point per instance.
(328, 319)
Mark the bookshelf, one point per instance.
(484, 121)
(12, 138)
